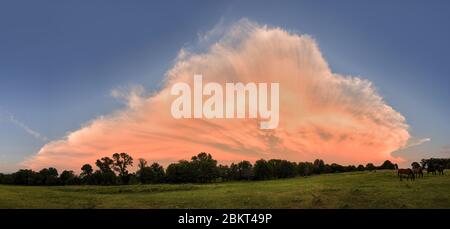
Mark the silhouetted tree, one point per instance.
(86, 174)
(86, 170)
(282, 168)
(336, 168)
(180, 172)
(48, 176)
(245, 170)
(205, 167)
(105, 164)
(370, 167)
(142, 163)
(305, 168)
(150, 174)
(234, 172)
(318, 166)
(350, 168)
(201, 168)
(105, 175)
(328, 169)
(120, 163)
(69, 178)
(288, 169)
(6, 178)
(387, 165)
(144, 172)
(436, 163)
(157, 172)
(224, 172)
(25, 177)
(145, 175)
(262, 170)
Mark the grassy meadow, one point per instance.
(381, 189)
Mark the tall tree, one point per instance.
(205, 167)
(120, 164)
(157, 172)
(319, 166)
(234, 172)
(245, 170)
(49, 176)
(142, 163)
(105, 164)
(68, 177)
(86, 170)
(180, 172)
(387, 165)
(86, 174)
(282, 168)
(25, 177)
(305, 168)
(144, 172)
(105, 175)
(262, 170)
(370, 166)
(224, 172)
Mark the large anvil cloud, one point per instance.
(322, 114)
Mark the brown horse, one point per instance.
(418, 172)
(408, 172)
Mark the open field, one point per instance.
(381, 189)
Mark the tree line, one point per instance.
(202, 168)
(433, 163)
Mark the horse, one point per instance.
(418, 171)
(440, 170)
(408, 172)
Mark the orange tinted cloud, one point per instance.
(322, 114)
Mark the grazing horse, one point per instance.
(418, 172)
(408, 172)
(440, 170)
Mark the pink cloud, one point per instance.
(322, 114)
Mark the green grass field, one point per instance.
(381, 189)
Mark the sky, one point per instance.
(61, 62)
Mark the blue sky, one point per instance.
(59, 60)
